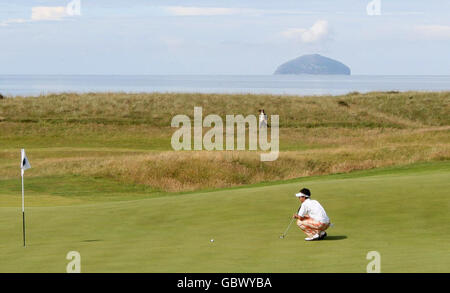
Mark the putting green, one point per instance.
(401, 213)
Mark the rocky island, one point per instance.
(313, 64)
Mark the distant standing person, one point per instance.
(262, 118)
(311, 217)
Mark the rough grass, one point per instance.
(126, 137)
(186, 171)
(354, 110)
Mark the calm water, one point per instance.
(14, 85)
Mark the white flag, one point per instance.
(25, 164)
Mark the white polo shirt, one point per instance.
(314, 210)
(262, 117)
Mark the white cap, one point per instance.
(301, 195)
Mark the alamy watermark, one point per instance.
(74, 266)
(374, 266)
(374, 7)
(73, 8)
(213, 139)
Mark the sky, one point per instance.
(245, 37)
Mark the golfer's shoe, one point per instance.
(323, 234)
(315, 237)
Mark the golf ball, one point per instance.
(212, 240)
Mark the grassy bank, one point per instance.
(126, 137)
(376, 109)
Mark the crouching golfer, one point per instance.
(311, 217)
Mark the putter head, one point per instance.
(282, 236)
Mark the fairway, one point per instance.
(403, 213)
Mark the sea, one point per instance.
(302, 85)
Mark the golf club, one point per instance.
(285, 232)
(287, 229)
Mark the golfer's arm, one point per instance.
(300, 217)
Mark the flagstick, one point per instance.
(24, 166)
(23, 213)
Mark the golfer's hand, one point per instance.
(295, 216)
